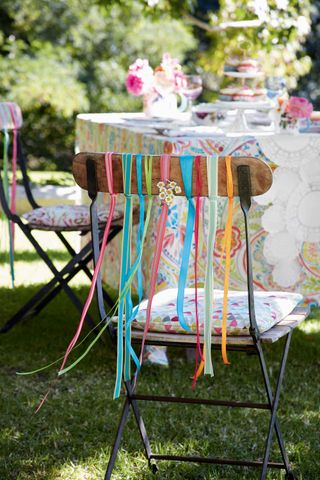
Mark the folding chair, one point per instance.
(251, 177)
(57, 219)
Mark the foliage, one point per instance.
(309, 86)
(277, 42)
(59, 58)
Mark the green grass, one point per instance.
(70, 438)
(47, 178)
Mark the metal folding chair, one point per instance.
(251, 177)
(11, 119)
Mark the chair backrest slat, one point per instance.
(261, 174)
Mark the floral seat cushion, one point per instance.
(270, 307)
(67, 217)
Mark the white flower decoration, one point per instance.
(167, 190)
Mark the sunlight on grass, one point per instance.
(29, 267)
(71, 437)
(76, 472)
(310, 326)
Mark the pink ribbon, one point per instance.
(165, 174)
(196, 240)
(109, 175)
(14, 168)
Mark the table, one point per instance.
(284, 223)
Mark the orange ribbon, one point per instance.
(227, 247)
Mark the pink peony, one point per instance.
(134, 84)
(299, 107)
(140, 77)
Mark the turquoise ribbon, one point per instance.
(186, 165)
(123, 292)
(212, 174)
(126, 303)
(136, 266)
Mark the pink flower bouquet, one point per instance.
(298, 107)
(140, 78)
(292, 110)
(166, 78)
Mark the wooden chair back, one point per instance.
(260, 174)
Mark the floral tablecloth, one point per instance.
(284, 223)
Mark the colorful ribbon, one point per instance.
(124, 270)
(196, 253)
(227, 243)
(133, 270)
(5, 181)
(186, 166)
(14, 167)
(109, 176)
(165, 174)
(212, 174)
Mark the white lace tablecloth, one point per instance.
(285, 222)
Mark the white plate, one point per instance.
(148, 120)
(244, 74)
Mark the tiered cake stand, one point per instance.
(240, 124)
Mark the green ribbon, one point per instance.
(6, 143)
(212, 174)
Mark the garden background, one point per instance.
(69, 56)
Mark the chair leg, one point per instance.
(43, 295)
(48, 292)
(274, 402)
(141, 426)
(116, 445)
(26, 310)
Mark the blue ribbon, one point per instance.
(133, 313)
(186, 165)
(124, 268)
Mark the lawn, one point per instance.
(70, 438)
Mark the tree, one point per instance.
(59, 58)
(309, 86)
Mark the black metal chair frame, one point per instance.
(60, 281)
(272, 398)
